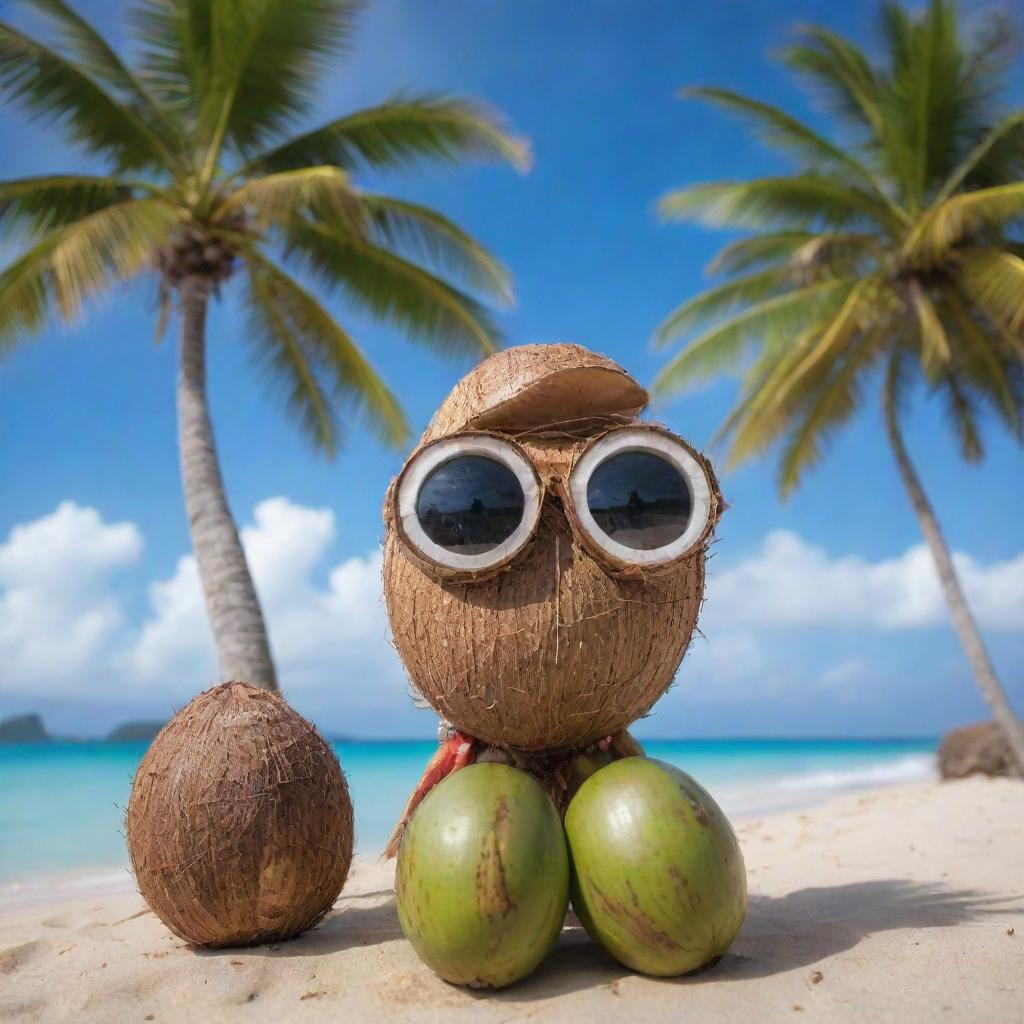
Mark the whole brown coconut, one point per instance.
(558, 647)
(239, 825)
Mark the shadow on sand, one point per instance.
(780, 933)
(356, 920)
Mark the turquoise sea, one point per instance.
(62, 804)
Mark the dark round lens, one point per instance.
(470, 504)
(639, 499)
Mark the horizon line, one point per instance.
(403, 740)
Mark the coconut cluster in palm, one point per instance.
(239, 826)
(192, 251)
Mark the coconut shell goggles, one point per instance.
(637, 497)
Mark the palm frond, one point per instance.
(993, 46)
(174, 51)
(956, 217)
(898, 35)
(277, 199)
(798, 201)
(36, 78)
(859, 310)
(766, 247)
(759, 419)
(841, 71)
(925, 105)
(105, 248)
(425, 235)
(793, 137)
(963, 417)
(1003, 162)
(788, 379)
(832, 248)
(80, 261)
(394, 289)
(283, 359)
(836, 401)
(299, 341)
(979, 153)
(715, 301)
(265, 58)
(99, 58)
(25, 295)
(992, 370)
(936, 353)
(724, 345)
(971, 58)
(398, 133)
(857, 94)
(994, 278)
(39, 204)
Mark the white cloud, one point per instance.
(844, 673)
(729, 667)
(331, 639)
(175, 642)
(789, 582)
(64, 630)
(58, 609)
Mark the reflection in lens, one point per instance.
(470, 504)
(639, 499)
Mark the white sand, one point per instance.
(900, 905)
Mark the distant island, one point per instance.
(23, 729)
(30, 729)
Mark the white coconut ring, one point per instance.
(673, 451)
(435, 455)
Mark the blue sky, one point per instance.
(87, 416)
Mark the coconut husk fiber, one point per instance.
(557, 648)
(239, 825)
(538, 387)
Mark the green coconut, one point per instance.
(657, 874)
(482, 882)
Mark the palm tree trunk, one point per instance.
(231, 602)
(963, 621)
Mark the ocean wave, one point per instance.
(785, 792)
(910, 768)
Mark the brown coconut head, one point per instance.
(239, 825)
(558, 649)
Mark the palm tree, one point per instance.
(891, 253)
(208, 182)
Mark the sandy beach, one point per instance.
(902, 904)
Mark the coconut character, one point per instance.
(544, 563)
(543, 573)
